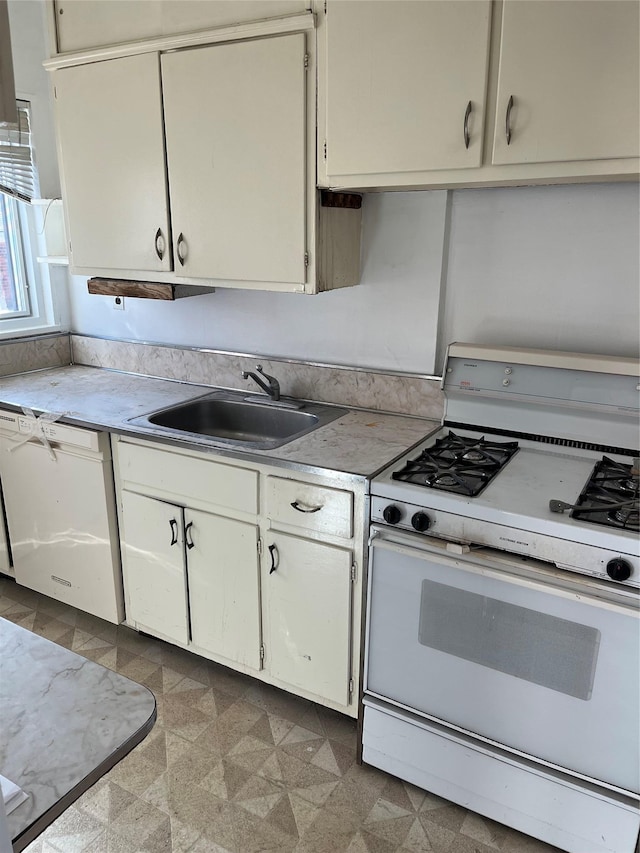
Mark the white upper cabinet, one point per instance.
(236, 159)
(190, 159)
(109, 119)
(568, 86)
(84, 25)
(445, 93)
(405, 85)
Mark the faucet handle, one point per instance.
(247, 373)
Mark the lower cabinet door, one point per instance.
(224, 590)
(308, 602)
(153, 566)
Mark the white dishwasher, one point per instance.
(59, 500)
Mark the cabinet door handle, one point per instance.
(179, 244)
(188, 536)
(159, 248)
(507, 121)
(465, 128)
(173, 524)
(302, 508)
(274, 564)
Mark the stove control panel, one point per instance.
(462, 532)
(399, 514)
(402, 515)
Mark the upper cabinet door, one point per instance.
(109, 117)
(235, 135)
(406, 85)
(570, 72)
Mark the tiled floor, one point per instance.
(234, 765)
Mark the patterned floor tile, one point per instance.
(236, 766)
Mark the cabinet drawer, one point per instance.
(197, 480)
(310, 507)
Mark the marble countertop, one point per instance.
(65, 722)
(359, 443)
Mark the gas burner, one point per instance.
(611, 496)
(458, 464)
(446, 481)
(473, 456)
(625, 517)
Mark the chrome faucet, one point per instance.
(272, 389)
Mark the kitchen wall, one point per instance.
(388, 321)
(534, 266)
(552, 267)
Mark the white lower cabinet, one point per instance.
(308, 612)
(245, 566)
(223, 576)
(192, 577)
(152, 535)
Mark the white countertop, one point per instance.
(65, 722)
(359, 443)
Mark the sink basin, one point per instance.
(234, 419)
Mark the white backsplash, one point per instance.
(381, 391)
(20, 355)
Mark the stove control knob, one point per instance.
(420, 521)
(619, 569)
(392, 514)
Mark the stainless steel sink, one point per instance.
(233, 418)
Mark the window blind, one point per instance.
(18, 175)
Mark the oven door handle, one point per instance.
(508, 568)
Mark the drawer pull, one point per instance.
(274, 565)
(302, 508)
(188, 536)
(174, 531)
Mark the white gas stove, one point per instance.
(519, 492)
(502, 666)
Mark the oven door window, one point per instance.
(546, 650)
(538, 669)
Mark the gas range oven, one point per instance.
(503, 632)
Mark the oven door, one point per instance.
(487, 643)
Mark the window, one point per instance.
(14, 291)
(26, 301)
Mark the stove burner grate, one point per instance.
(611, 496)
(459, 464)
